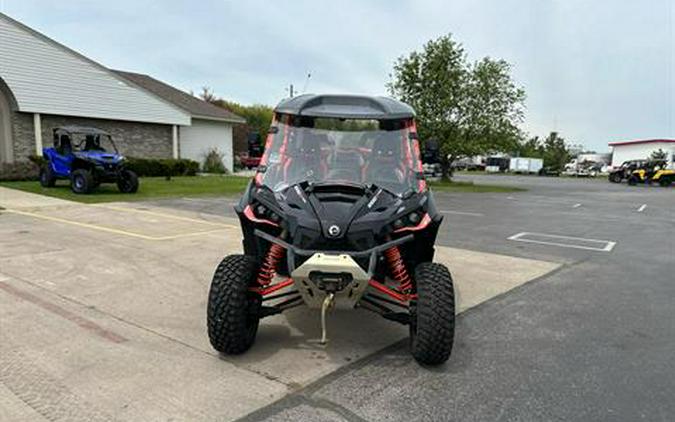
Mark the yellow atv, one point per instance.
(664, 177)
(653, 172)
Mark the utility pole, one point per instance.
(304, 89)
(291, 90)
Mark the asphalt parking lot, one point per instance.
(567, 293)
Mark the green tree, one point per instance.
(659, 155)
(556, 153)
(494, 108)
(532, 148)
(258, 116)
(469, 109)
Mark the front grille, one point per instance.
(352, 241)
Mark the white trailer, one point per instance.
(525, 165)
(497, 163)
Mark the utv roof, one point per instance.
(82, 130)
(345, 106)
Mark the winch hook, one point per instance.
(325, 306)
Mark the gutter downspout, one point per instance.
(37, 128)
(174, 136)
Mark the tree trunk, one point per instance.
(446, 171)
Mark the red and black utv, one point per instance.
(338, 215)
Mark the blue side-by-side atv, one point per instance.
(87, 157)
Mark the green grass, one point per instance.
(471, 187)
(150, 188)
(178, 187)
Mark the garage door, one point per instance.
(198, 139)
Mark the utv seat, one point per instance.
(346, 165)
(92, 143)
(384, 163)
(65, 147)
(305, 161)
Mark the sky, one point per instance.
(595, 71)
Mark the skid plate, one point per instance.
(322, 263)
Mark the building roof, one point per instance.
(641, 141)
(345, 106)
(196, 107)
(46, 77)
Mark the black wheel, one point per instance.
(665, 182)
(632, 180)
(127, 182)
(233, 311)
(82, 181)
(432, 316)
(615, 178)
(47, 176)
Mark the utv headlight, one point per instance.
(261, 214)
(264, 212)
(416, 220)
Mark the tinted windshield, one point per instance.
(365, 155)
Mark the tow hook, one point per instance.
(325, 307)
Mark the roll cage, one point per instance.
(68, 139)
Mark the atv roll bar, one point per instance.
(372, 253)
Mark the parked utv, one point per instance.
(653, 172)
(625, 170)
(251, 158)
(338, 215)
(431, 159)
(664, 177)
(87, 157)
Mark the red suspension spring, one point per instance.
(398, 269)
(269, 265)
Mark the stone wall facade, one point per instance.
(133, 139)
(23, 136)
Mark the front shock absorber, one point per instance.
(397, 268)
(270, 263)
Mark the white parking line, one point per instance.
(521, 237)
(576, 205)
(642, 208)
(472, 214)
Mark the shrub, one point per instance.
(19, 170)
(38, 160)
(185, 167)
(149, 167)
(213, 162)
(238, 165)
